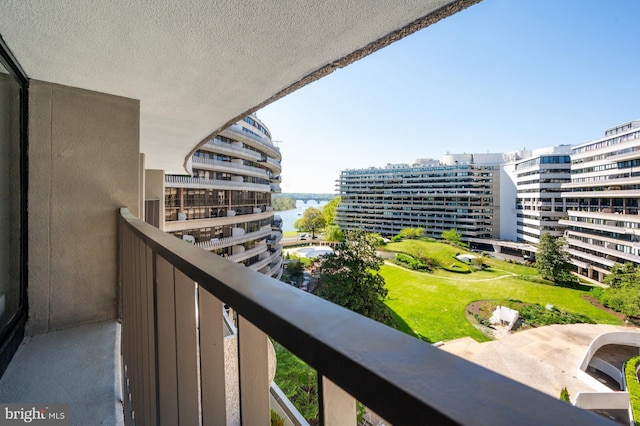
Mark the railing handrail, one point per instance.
(403, 379)
(218, 183)
(227, 147)
(230, 165)
(260, 248)
(236, 129)
(227, 241)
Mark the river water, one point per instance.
(290, 216)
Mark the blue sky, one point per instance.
(497, 77)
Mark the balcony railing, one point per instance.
(227, 148)
(229, 241)
(239, 257)
(265, 143)
(187, 181)
(228, 166)
(173, 351)
(274, 255)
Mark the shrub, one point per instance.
(294, 268)
(460, 269)
(535, 279)
(597, 292)
(480, 320)
(410, 262)
(633, 387)
(564, 395)
(537, 316)
(625, 300)
(276, 420)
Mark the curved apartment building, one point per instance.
(225, 205)
(604, 227)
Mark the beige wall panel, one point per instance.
(83, 154)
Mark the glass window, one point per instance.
(10, 207)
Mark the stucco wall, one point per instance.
(154, 190)
(83, 166)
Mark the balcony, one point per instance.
(246, 254)
(174, 359)
(275, 188)
(270, 257)
(231, 167)
(192, 182)
(230, 219)
(217, 145)
(216, 243)
(237, 133)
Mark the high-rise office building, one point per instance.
(604, 227)
(459, 192)
(538, 178)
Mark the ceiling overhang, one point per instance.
(199, 65)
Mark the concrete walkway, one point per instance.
(545, 358)
(78, 366)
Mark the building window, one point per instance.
(13, 193)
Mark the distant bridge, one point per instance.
(307, 197)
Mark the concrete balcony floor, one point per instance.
(79, 366)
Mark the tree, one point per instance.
(621, 276)
(623, 293)
(311, 220)
(564, 395)
(452, 236)
(349, 277)
(552, 260)
(411, 232)
(283, 203)
(294, 268)
(329, 210)
(333, 233)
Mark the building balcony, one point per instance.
(231, 219)
(236, 132)
(275, 188)
(276, 167)
(216, 243)
(269, 258)
(230, 167)
(246, 254)
(275, 269)
(275, 236)
(174, 358)
(234, 150)
(277, 221)
(605, 256)
(173, 181)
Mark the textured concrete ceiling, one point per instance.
(198, 65)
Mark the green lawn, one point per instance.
(432, 305)
(444, 254)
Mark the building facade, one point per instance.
(225, 206)
(459, 192)
(604, 226)
(539, 205)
